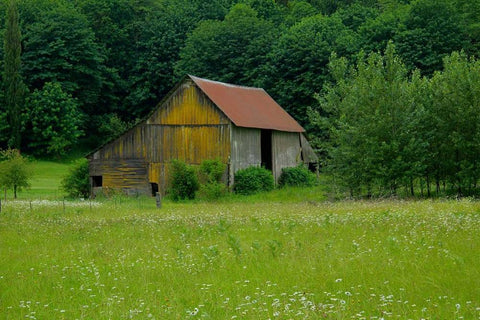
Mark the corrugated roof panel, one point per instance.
(248, 107)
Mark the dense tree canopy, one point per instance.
(231, 50)
(115, 60)
(390, 130)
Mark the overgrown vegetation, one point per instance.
(252, 180)
(298, 176)
(184, 181)
(77, 183)
(210, 173)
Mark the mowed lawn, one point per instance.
(240, 259)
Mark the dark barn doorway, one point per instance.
(154, 188)
(266, 146)
(97, 181)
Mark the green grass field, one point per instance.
(46, 181)
(288, 254)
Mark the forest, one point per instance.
(388, 90)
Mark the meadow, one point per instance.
(289, 254)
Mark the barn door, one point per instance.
(266, 146)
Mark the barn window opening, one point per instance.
(154, 188)
(97, 181)
(266, 146)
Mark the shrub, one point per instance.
(210, 174)
(252, 180)
(211, 171)
(184, 181)
(76, 183)
(298, 176)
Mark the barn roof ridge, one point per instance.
(226, 84)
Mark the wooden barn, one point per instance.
(198, 120)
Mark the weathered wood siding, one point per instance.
(188, 106)
(286, 151)
(246, 149)
(129, 175)
(189, 143)
(131, 145)
(187, 127)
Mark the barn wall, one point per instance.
(191, 144)
(187, 127)
(188, 105)
(245, 146)
(286, 151)
(131, 145)
(129, 175)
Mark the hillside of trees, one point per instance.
(387, 89)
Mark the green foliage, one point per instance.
(390, 130)
(298, 176)
(297, 63)
(375, 124)
(184, 181)
(297, 10)
(111, 126)
(15, 171)
(210, 173)
(252, 180)
(12, 79)
(77, 182)
(455, 124)
(55, 120)
(432, 32)
(60, 47)
(231, 50)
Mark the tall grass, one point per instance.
(122, 259)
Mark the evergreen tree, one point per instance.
(13, 84)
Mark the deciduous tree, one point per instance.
(15, 171)
(55, 120)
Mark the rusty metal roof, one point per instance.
(248, 107)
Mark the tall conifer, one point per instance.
(13, 84)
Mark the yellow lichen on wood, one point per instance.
(188, 106)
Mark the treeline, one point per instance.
(90, 68)
(392, 131)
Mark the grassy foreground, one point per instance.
(119, 259)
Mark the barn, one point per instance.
(200, 119)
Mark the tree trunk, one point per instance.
(411, 187)
(428, 186)
(14, 191)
